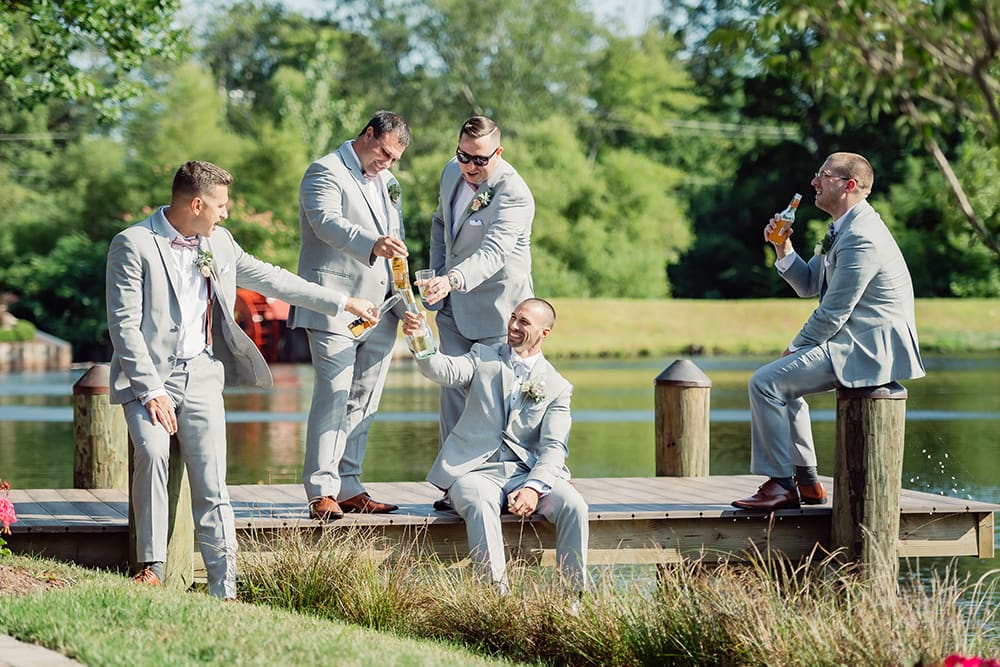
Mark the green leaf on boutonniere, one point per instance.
(395, 192)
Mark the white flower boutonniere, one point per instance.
(395, 192)
(204, 262)
(823, 246)
(533, 389)
(481, 200)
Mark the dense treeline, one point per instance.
(655, 159)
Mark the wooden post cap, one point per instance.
(95, 381)
(892, 391)
(683, 373)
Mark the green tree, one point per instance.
(85, 51)
(934, 66)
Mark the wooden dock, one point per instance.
(632, 520)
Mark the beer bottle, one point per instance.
(787, 217)
(361, 325)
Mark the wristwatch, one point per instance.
(454, 281)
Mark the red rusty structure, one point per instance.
(264, 320)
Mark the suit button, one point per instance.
(171, 358)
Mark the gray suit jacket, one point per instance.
(339, 227)
(866, 310)
(492, 250)
(144, 314)
(537, 431)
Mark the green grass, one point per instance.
(103, 619)
(632, 327)
(314, 599)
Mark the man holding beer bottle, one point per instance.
(862, 334)
(350, 217)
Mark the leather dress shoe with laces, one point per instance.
(146, 576)
(325, 509)
(363, 504)
(770, 496)
(811, 494)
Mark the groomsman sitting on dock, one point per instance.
(508, 449)
(862, 334)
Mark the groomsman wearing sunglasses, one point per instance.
(480, 251)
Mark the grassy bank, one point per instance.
(341, 601)
(104, 619)
(630, 327)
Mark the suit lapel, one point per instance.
(359, 181)
(161, 236)
(506, 379)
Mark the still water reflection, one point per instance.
(953, 417)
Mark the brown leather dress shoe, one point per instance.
(812, 494)
(363, 503)
(325, 509)
(770, 496)
(146, 576)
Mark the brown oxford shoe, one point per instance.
(146, 576)
(363, 503)
(325, 509)
(812, 494)
(770, 496)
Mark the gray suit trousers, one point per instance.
(480, 496)
(350, 376)
(454, 344)
(780, 430)
(195, 387)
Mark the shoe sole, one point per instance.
(328, 516)
(441, 506)
(814, 501)
(767, 509)
(368, 511)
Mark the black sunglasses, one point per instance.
(477, 160)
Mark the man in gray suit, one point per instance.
(480, 250)
(171, 288)
(862, 334)
(350, 217)
(508, 449)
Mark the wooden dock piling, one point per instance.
(681, 399)
(100, 455)
(868, 471)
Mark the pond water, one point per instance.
(953, 421)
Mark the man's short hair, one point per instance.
(386, 122)
(545, 307)
(852, 165)
(197, 177)
(478, 127)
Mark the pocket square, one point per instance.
(476, 223)
(224, 270)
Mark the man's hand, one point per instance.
(523, 502)
(362, 308)
(783, 248)
(412, 323)
(389, 246)
(435, 289)
(161, 411)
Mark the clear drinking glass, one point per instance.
(422, 276)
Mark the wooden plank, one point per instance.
(951, 534)
(985, 532)
(116, 499)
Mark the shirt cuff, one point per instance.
(539, 486)
(785, 262)
(461, 280)
(150, 395)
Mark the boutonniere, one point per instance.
(533, 389)
(823, 246)
(204, 262)
(481, 200)
(395, 192)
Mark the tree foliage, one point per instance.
(84, 51)
(934, 66)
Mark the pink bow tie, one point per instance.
(184, 242)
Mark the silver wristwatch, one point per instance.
(453, 280)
